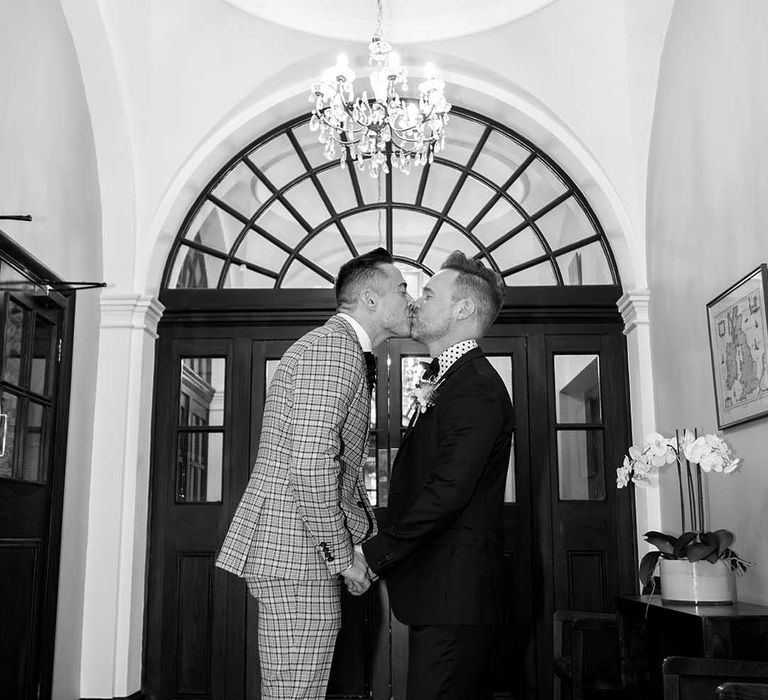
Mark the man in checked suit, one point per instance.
(305, 506)
(441, 550)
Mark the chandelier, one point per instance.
(385, 128)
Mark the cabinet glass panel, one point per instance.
(581, 465)
(43, 344)
(503, 365)
(9, 405)
(200, 457)
(34, 442)
(577, 389)
(201, 400)
(16, 332)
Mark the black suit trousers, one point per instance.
(449, 662)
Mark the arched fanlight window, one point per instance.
(278, 215)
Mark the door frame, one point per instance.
(63, 297)
(206, 313)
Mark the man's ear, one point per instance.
(465, 308)
(368, 298)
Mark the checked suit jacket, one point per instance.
(441, 548)
(305, 504)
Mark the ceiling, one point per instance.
(427, 20)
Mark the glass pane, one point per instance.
(310, 144)
(503, 365)
(538, 275)
(201, 397)
(215, 227)
(278, 161)
(410, 373)
(540, 186)
(440, 183)
(42, 354)
(16, 329)
(371, 462)
(8, 417)
(580, 465)
(367, 229)
(270, 368)
(405, 187)
(299, 275)
(280, 223)
(307, 202)
(499, 221)
(447, 240)
(500, 157)
(411, 229)
(242, 190)
(577, 388)
(567, 223)
(587, 265)
(328, 250)
(338, 186)
(462, 139)
(510, 486)
(34, 443)
(196, 270)
(522, 247)
(260, 251)
(242, 277)
(472, 197)
(199, 462)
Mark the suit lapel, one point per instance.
(464, 359)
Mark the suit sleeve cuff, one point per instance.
(377, 555)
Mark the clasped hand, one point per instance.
(358, 577)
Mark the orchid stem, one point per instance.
(701, 489)
(680, 482)
(691, 495)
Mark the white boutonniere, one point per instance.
(425, 394)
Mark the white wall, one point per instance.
(48, 169)
(707, 213)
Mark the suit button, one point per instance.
(331, 557)
(323, 544)
(361, 504)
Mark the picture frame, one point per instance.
(738, 342)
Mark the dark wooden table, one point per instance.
(650, 630)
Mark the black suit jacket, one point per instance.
(441, 546)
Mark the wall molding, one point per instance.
(139, 311)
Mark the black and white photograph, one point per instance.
(382, 350)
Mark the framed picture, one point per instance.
(738, 338)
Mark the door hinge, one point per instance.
(58, 350)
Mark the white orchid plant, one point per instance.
(708, 453)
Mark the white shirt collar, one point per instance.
(362, 336)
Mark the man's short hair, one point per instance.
(475, 280)
(358, 272)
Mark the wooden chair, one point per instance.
(733, 690)
(687, 678)
(586, 662)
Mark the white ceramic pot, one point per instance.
(697, 583)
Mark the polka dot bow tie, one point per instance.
(431, 369)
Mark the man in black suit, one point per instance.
(441, 549)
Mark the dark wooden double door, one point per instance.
(565, 522)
